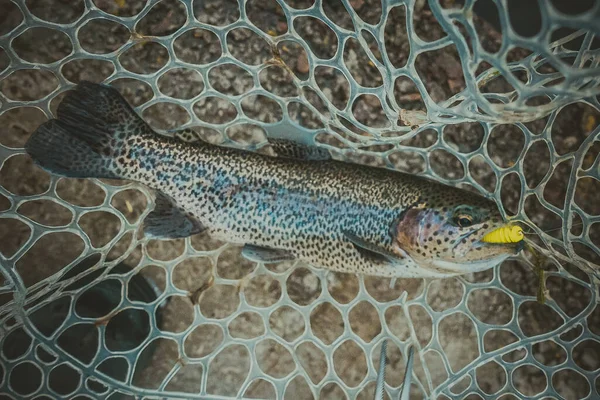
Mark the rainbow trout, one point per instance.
(298, 205)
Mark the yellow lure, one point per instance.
(506, 234)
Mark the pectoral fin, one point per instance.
(266, 255)
(372, 252)
(169, 221)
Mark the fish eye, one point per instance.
(463, 220)
(464, 216)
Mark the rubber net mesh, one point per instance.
(91, 308)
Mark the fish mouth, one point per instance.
(512, 248)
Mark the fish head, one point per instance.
(448, 236)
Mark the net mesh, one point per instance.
(427, 88)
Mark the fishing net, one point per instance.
(92, 309)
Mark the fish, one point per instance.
(298, 205)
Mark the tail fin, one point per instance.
(89, 133)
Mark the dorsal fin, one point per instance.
(169, 221)
(187, 135)
(290, 149)
(282, 147)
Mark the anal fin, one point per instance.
(169, 221)
(265, 254)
